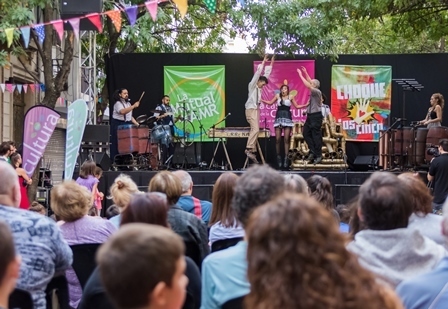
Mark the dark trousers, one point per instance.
(312, 133)
(168, 150)
(114, 123)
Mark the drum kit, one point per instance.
(140, 147)
(410, 147)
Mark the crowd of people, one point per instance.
(266, 240)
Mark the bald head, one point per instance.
(9, 186)
(185, 179)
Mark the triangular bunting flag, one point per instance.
(74, 22)
(9, 35)
(152, 6)
(242, 2)
(9, 87)
(40, 30)
(2, 86)
(115, 16)
(13, 87)
(182, 6)
(59, 27)
(26, 35)
(25, 88)
(42, 87)
(32, 87)
(19, 88)
(132, 14)
(96, 21)
(211, 5)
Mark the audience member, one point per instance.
(87, 178)
(98, 196)
(112, 211)
(121, 192)
(188, 226)
(9, 265)
(150, 208)
(224, 273)
(344, 213)
(5, 151)
(38, 240)
(386, 246)
(321, 190)
(292, 263)
(429, 290)
(223, 223)
(142, 266)
(422, 218)
(37, 207)
(24, 180)
(71, 203)
(296, 183)
(188, 202)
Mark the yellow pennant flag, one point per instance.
(182, 6)
(9, 35)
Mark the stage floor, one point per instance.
(345, 183)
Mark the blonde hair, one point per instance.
(70, 201)
(166, 182)
(122, 190)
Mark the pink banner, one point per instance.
(40, 122)
(284, 72)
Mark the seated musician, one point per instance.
(122, 114)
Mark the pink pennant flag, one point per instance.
(96, 21)
(2, 86)
(58, 25)
(152, 6)
(25, 88)
(32, 87)
(75, 26)
(9, 87)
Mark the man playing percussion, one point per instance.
(166, 118)
(122, 114)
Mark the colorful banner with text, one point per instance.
(199, 92)
(361, 100)
(284, 72)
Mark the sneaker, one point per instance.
(251, 156)
(279, 161)
(310, 158)
(318, 160)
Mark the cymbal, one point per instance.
(156, 111)
(144, 119)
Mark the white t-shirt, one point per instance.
(118, 106)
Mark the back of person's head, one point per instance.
(151, 208)
(321, 190)
(122, 190)
(420, 193)
(9, 186)
(222, 196)
(185, 179)
(385, 202)
(166, 182)
(87, 169)
(292, 263)
(37, 207)
(256, 186)
(344, 213)
(296, 184)
(356, 225)
(143, 265)
(15, 158)
(70, 201)
(4, 148)
(444, 144)
(98, 172)
(9, 263)
(112, 211)
(93, 212)
(445, 221)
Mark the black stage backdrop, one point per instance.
(144, 72)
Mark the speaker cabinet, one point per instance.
(364, 163)
(190, 155)
(344, 193)
(78, 8)
(101, 159)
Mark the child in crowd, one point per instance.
(39, 208)
(126, 265)
(87, 178)
(99, 196)
(344, 212)
(112, 211)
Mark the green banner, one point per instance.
(198, 93)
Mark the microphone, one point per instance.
(399, 119)
(227, 115)
(128, 100)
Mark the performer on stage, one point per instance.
(122, 114)
(312, 132)
(283, 121)
(434, 115)
(166, 118)
(252, 106)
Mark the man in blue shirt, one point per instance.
(429, 290)
(224, 273)
(199, 208)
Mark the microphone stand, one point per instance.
(213, 139)
(201, 129)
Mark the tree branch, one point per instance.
(34, 76)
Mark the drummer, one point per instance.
(122, 114)
(434, 115)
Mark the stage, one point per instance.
(345, 183)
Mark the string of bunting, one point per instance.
(95, 19)
(22, 87)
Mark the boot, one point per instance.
(279, 161)
(286, 163)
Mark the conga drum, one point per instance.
(143, 139)
(420, 145)
(127, 139)
(434, 135)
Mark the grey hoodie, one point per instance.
(396, 255)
